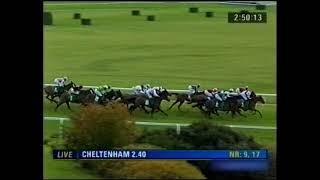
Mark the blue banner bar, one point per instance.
(161, 154)
(240, 165)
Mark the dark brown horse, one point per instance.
(230, 104)
(154, 103)
(129, 99)
(49, 90)
(181, 98)
(104, 100)
(83, 98)
(251, 104)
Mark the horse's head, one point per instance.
(253, 94)
(72, 84)
(260, 99)
(110, 94)
(118, 94)
(165, 95)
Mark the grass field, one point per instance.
(177, 49)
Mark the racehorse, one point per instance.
(230, 104)
(181, 98)
(130, 98)
(107, 97)
(251, 104)
(153, 103)
(49, 90)
(82, 98)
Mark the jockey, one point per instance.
(138, 90)
(247, 92)
(145, 88)
(60, 82)
(74, 92)
(100, 91)
(192, 90)
(208, 93)
(230, 93)
(217, 96)
(152, 92)
(243, 94)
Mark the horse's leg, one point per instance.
(52, 99)
(162, 111)
(256, 110)
(216, 112)
(49, 98)
(200, 107)
(195, 105)
(132, 108)
(233, 113)
(181, 102)
(152, 111)
(173, 104)
(144, 108)
(209, 114)
(68, 104)
(58, 104)
(239, 112)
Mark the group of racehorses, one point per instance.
(132, 101)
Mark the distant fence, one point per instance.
(177, 125)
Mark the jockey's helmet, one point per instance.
(148, 85)
(231, 90)
(106, 87)
(65, 78)
(198, 86)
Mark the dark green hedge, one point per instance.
(47, 18)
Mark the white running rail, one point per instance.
(177, 125)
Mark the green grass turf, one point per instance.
(177, 49)
(188, 115)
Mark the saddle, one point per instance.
(59, 89)
(74, 97)
(149, 102)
